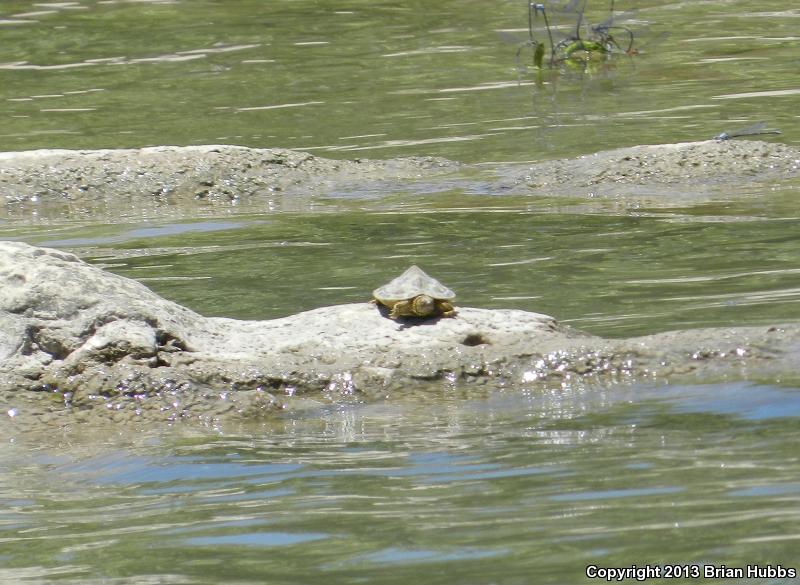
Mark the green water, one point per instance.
(355, 78)
(506, 486)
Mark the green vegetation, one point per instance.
(585, 42)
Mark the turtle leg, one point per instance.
(445, 309)
(401, 309)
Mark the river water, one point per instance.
(516, 485)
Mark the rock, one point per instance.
(77, 331)
(76, 339)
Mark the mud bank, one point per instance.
(80, 344)
(186, 182)
(706, 165)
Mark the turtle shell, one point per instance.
(413, 282)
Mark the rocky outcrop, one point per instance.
(77, 342)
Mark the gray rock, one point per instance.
(78, 342)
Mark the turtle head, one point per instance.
(423, 306)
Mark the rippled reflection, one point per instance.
(467, 487)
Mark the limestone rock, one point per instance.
(76, 341)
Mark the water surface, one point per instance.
(508, 488)
(382, 79)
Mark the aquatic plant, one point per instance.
(584, 43)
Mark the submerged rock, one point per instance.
(77, 342)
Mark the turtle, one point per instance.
(415, 294)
